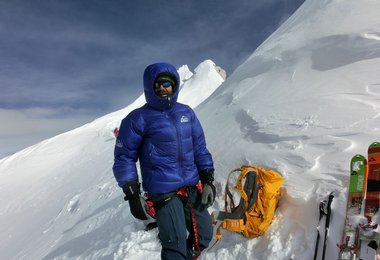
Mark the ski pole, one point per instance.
(327, 225)
(322, 212)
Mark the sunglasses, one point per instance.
(165, 84)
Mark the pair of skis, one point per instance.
(362, 240)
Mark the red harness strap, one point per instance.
(199, 187)
(185, 191)
(182, 191)
(151, 209)
(196, 248)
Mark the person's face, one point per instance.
(163, 88)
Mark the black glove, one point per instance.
(206, 176)
(131, 189)
(208, 190)
(138, 206)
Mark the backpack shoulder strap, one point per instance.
(234, 220)
(247, 191)
(251, 186)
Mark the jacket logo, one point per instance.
(184, 119)
(119, 143)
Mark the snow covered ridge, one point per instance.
(59, 198)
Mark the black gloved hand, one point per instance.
(208, 191)
(138, 206)
(206, 176)
(131, 189)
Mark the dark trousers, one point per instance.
(174, 220)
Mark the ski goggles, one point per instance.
(164, 83)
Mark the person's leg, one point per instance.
(172, 230)
(204, 224)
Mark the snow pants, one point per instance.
(174, 220)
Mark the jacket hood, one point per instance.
(150, 75)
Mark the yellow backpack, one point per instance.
(260, 191)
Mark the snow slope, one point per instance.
(304, 103)
(59, 198)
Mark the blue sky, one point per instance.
(64, 63)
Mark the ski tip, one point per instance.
(374, 145)
(358, 157)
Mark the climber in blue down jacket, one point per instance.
(176, 168)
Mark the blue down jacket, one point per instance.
(165, 136)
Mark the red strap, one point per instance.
(199, 187)
(151, 209)
(195, 228)
(182, 191)
(185, 192)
